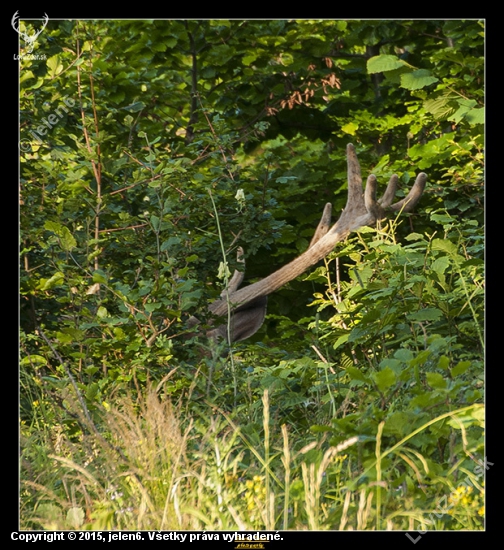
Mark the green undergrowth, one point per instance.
(378, 425)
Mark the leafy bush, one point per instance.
(149, 147)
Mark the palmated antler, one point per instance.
(362, 209)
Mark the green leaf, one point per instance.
(394, 364)
(50, 516)
(414, 237)
(445, 245)
(465, 105)
(421, 358)
(56, 280)
(440, 265)
(99, 276)
(154, 220)
(350, 128)
(341, 340)
(54, 65)
(372, 315)
(69, 334)
(469, 418)
(91, 370)
(384, 378)
(417, 79)
(460, 368)
(441, 107)
(403, 355)
(383, 63)
(356, 374)
(436, 380)
(26, 75)
(442, 217)
(171, 242)
(66, 239)
(426, 314)
(134, 108)
(476, 116)
(102, 312)
(468, 112)
(479, 414)
(286, 179)
(92, 391)
(150, 307)
(248, 59)
(398, 423)
(35, 360)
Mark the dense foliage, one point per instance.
(149, 147)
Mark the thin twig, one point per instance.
(317, 351)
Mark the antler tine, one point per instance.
(372, 206)
(390, 192)
(354, 175)
(409, 202)
(237, 278)
(323, 226)
(354, 214)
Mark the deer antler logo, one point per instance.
(29, 40)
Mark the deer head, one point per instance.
(246, 307)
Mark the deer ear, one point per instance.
(248, 319)
(245, 321)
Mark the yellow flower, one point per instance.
(461, 495)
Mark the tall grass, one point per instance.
(148, 469)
